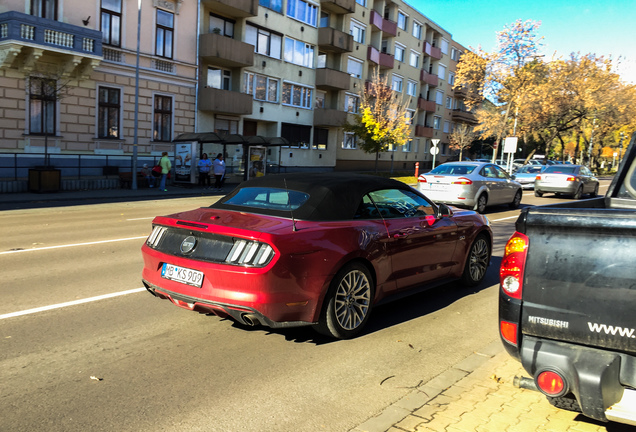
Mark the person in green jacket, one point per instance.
(166, 166)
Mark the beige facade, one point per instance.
(275, 68)
(86, 103)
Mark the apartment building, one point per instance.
(68, 75)
(270, 68)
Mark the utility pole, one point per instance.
(589, 150)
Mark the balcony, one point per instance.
(331, 79)
(460, 92)
(329, 117)
(339, 6)
(224, 101)
(223, 51)
(430, 79)
(26, 40)
(424, 131)
(233, 8)
(385, 25)
(463, 116)
(432, 51)
(330, 39)
(387, 61)
(373, 55)
(425, 105)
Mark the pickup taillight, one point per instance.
(513, 265)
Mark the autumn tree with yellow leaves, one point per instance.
(382, 121)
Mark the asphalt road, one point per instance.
(84, 347)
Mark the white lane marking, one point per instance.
(144, 218)
(71, 303)
(73, 245)
(506, 218)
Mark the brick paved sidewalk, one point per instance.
(477, 395)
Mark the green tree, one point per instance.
(382, 121)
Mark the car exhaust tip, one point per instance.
(250, 319)
(524, 383)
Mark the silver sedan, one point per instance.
(474, 185)
(574, 180)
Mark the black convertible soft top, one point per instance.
(332, 196)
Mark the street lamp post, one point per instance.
(136, 133)
(620, 148)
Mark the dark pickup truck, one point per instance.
(567, 300)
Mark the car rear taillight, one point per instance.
(421, 179)
(538, 177)
(570, 178)
(551, 383)
(250, 253)
(156, 235)
(508, 331)
(512, 265)
(462, 181)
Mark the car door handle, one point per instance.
(400, 235)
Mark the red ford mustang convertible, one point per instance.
(312, 249)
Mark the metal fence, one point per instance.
(15, 166)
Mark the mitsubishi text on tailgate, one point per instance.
(567, 300)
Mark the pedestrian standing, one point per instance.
(204, 170)
(219, 172)
(166, 166)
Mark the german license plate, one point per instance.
(439, 186)
(182, 274)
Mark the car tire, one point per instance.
(538, 194)
(481, 203)
(579, 193)
(595, 191)
(567, 402)
(347, 305)
(476, 261)
(516, 201)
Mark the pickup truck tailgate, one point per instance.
(580, 275)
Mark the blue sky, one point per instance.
(586, 26)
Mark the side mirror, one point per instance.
(443, 211)
(514, 177)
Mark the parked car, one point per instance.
(474, 185)
(311, 249)
(574, 180)
(527, 174)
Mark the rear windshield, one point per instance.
(560, 169)
(453, 169)
(268, 198)
(531, 169)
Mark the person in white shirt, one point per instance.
(219, 171)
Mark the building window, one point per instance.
(449, 102)
(163, 119)
(455, 53)
(296, 95)
(111, 22)
(261, 87)
(408, 146)
(352, 103)
(410, 116)
(42, 106)
(299, 53)
(265, 42)
(441, 71)
(297, 135)
(399, 52)
(417, 30)
(357, 30)
(321, 138)
(414, 59)
(402, 19)
(362, 2)
(319, 100)
(411, 88)
(444, 46)
(324, 19)
(439, 97)
(302, 11)
(451, 78)
(219, 78)
(446, 126)
(44, 9)
(436, 122)
(354, 67)
(108, 112)
(397, 83)
(350, 141)
(165, 32)
(221, 25)
(275, 5)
